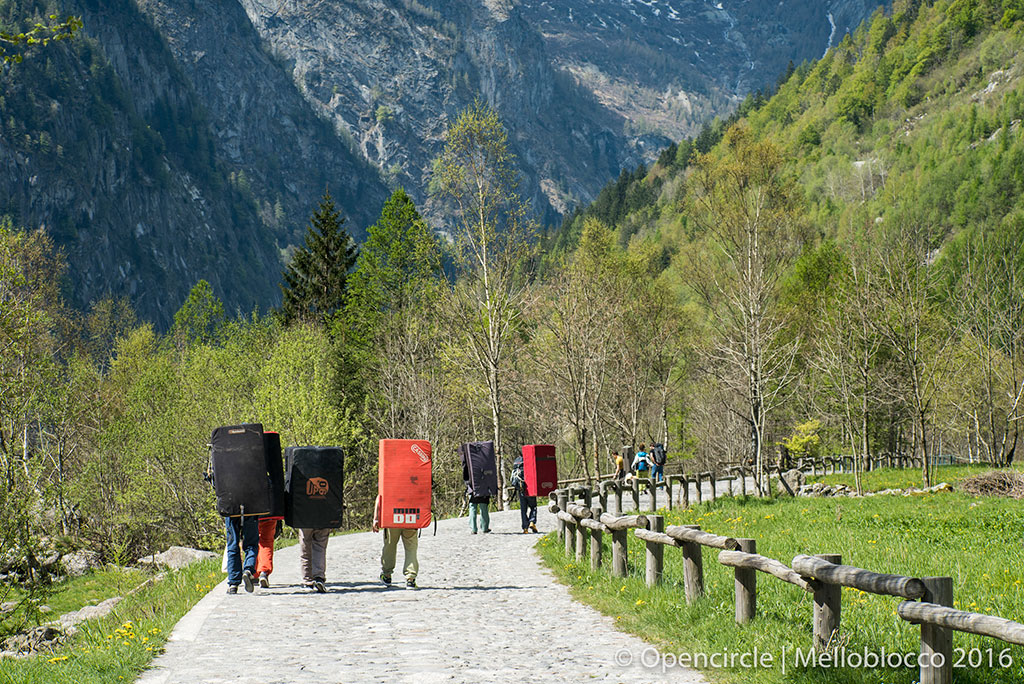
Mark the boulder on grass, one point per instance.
(80, 562)
(794, 478)
(176, 558)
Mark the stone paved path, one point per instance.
(486, 611)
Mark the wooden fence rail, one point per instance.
(823, 576)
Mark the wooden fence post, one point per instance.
(620, 553)
(686, 491)
(937, 642)
(693, 568)
(618, 498)
(653, 489)
(712, 481)
(581, 542)
(563, 501)
(602, 496)
(570, 539)
(655, 552)
(827, 606)
(668, 492)
(746, 586)
(636, 494)
(700, 493)
(596, 542)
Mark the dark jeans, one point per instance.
(249, 531)
(527, 509)
(658, 473)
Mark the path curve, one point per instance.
(486, 610)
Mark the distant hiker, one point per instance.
(527, 503)
(641, 465)
(389, 555)
(480, 475)
(479, 506)
(659, 457)
(640, 462)
(620, 466)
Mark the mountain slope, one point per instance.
(914, 119)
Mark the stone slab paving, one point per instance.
(486, 611)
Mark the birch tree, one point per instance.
(475, 179)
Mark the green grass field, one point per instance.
(894, 478)
(977, 542)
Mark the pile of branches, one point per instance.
(996, 483)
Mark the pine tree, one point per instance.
(314, 282)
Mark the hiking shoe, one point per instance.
(318, 584)
(264, 581)
(533, 528)
(386, 579)
(232, 588)
(247, 581)
(472, 531)
(487, 530)
(526, 530)
(410, 583)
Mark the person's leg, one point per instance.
(410, 541)
(472, 517)
(234, 557)
(531, 503)
(305, 554)
(485, 516)
(389, 552)
(524, 510)
(318, 556)
(250, 541)
(265, 555)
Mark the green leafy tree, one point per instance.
(314, 282)
(13, 44)
(475, 177)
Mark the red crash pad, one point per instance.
(403, 482)
(540, 469)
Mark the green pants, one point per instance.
(483, 510)
(410, 541)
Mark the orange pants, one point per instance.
(265, 554)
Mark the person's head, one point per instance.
(641, 447)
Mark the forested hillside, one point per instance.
(897, 158)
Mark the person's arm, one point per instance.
(376, 514)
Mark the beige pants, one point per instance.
(410, 541)
(313, 553)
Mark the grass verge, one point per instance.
(896, 478)
(119, 646)
(975, 541)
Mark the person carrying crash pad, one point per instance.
(480, 474)
(527, 503)
(402, 509)
(238, 473)
(314, 483)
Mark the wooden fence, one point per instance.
(732, 480)
(927, 601)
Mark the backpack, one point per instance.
(658, 454)
(642, 463)
(517, 479)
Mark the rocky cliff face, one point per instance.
(181, 140)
